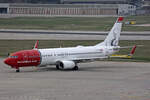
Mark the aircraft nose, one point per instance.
(7, 61)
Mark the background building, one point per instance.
(68, 9)
(94, 1)
(144, 9)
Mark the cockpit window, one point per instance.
(13, 56)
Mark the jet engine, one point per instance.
(65, 65)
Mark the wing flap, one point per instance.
(88, 59)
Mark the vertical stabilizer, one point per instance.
(113, 36)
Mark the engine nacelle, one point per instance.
(66, 64)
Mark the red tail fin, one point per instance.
(120, 19)
(36, 44)
(133, 50)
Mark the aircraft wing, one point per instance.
(88, 59)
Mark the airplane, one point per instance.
(67, 58)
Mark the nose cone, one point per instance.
(7, 61)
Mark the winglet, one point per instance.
(120, 19)
(133, 50)
(36, 45)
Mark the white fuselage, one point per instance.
(79, 53)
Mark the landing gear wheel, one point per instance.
(76, 68)
(57, 67)
(17, 70)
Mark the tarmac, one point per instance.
(100, 80)
(67, 35)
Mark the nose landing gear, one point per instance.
(17, 70)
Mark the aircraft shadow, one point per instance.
(86, 69)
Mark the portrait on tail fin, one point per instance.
(114, 41)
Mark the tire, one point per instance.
(76, 68)
(57, 67)
(17, 70)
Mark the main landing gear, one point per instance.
(57, 67)
(75, 68)
(60, 68)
